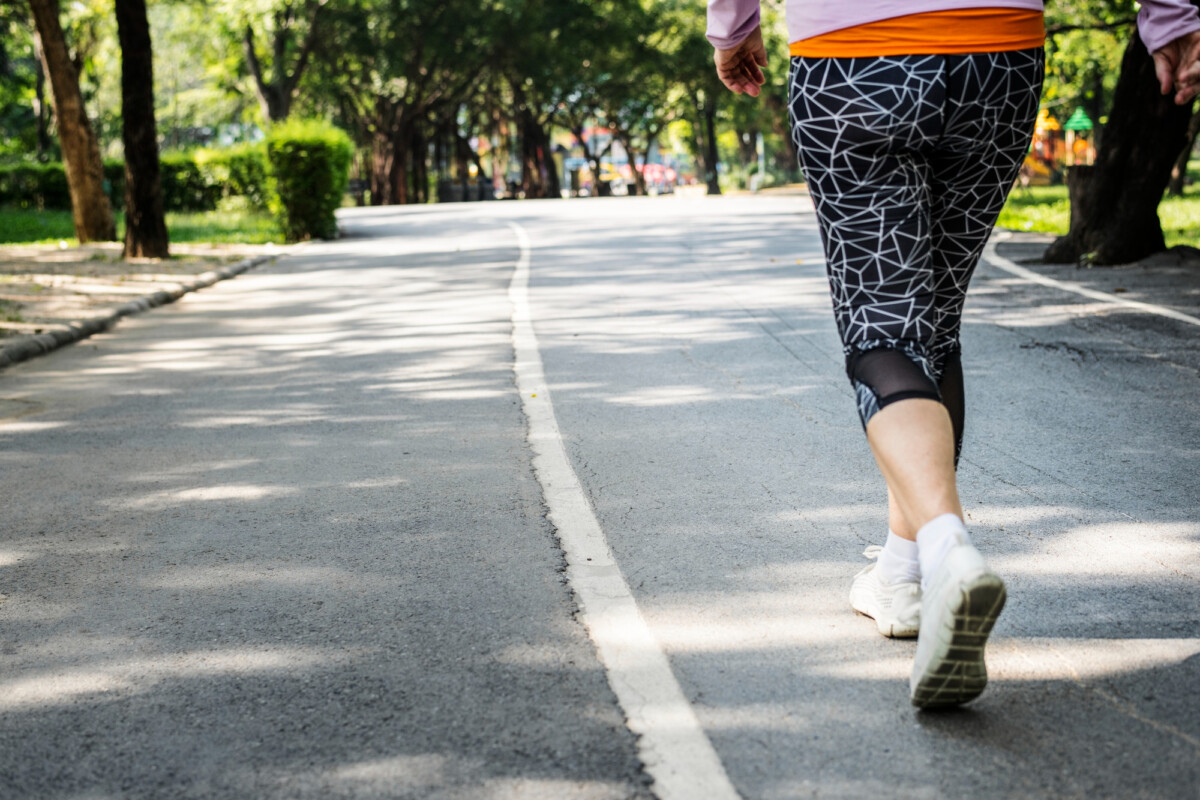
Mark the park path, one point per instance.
(283, 538)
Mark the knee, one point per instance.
(887, 374)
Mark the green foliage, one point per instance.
(309, 164)
(183, 185)
(1085, 40)
(237, 171)
(34, 186)
(190, 182)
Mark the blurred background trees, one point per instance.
(462, 99)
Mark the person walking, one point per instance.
(912, 119)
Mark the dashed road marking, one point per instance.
(672, 745)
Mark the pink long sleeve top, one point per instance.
(731, 21)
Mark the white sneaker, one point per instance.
(960, 605)
(895, 607)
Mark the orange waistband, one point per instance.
(965, 30)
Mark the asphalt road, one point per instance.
(283, 538)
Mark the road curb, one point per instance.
(26, 347)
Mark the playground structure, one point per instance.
(1057, 146)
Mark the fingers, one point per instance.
(1181, 61)
(739, 73)
(1187, 81)
(1164, 68)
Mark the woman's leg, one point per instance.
(913, 444)
(991, 104)
(862, 127)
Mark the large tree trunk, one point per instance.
(1114, 216)
(1179, 170)
(145, 227)
(81, 152)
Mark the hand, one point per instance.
(740, 68)
(1177, 66)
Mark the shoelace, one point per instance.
(872, 552)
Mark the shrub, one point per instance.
(183, 185)
(237, 171)
(38, 186)
(309, 163)
(190, 182)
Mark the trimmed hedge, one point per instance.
(309, 163)
(238, 171)
(37, 186)
(190, 182)
(183, 185)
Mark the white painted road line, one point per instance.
(1000, 262)
(672, 745)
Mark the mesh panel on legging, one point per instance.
(891, 375)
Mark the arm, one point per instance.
(1162, 21)
(730, 22)
(740, 56)
(1170, 30)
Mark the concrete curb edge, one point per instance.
(27, 347)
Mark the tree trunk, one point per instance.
(710, 148)
(271, 100)
(145, 227)
(399, 174)
(1114, 204)
(533, 173)
(786, 159)
(549, 168)
(382, 156)
(639, 175)
(419, 150)
(275, 96)
(90, 208)
(748, 146)
(1179, 171)
(39, 104)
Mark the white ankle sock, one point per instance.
(898, 563)
(935, 539)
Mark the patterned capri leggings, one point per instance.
(909, 160)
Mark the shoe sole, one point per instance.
(956, 673)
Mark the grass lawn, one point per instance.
(1045, 209)
(236, 226)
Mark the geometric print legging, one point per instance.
(909, 160)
